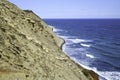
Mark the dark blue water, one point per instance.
(93, 43)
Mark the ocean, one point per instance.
(92, 43)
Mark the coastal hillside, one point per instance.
(29, 50)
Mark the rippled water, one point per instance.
(93, 43)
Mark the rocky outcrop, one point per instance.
(29, 50)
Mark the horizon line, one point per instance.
(83, 18)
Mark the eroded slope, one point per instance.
(29, 50)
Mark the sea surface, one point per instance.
(92, 43)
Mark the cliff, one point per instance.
(29, 50)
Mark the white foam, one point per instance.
(108, 75)
(112, 75)
(86, 67)
(79, 40)
(90, 56)
(55, 29)
(104, 75)
(64, 37)
(85, 45)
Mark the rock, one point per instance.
(30, 50)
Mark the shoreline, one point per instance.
(91, 72)
(61, 41)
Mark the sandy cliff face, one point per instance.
(29, 50)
